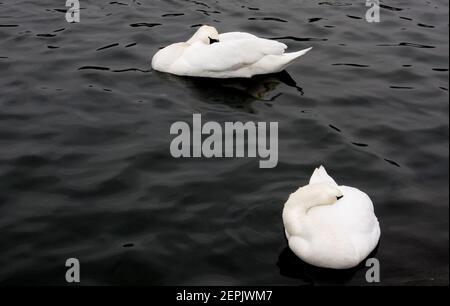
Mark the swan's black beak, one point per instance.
(212, 40)
(339, 197)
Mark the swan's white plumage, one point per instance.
(236, 54)
(329, 234)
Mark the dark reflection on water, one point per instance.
(85, 169)
(291, 266)
(236, 92)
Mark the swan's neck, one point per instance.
(302, 203)
(193, 39)
(296, 209)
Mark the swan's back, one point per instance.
(234, 51)
(347, 230)
(254, 43)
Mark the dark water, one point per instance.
(85, 169)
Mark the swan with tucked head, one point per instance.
(330, 226)
(229, 55)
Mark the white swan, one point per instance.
(228, 55)
(330, 226)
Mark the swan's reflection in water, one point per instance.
(260, 87)
(237, 92)
(292, 266)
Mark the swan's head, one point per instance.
(205, 34)
(325, 194)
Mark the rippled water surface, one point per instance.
(85, 168)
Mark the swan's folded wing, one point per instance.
(235, 36)
(231, 54)
(268, 46)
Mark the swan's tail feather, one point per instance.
(276, 63)
(320, 175)
(290, 57)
